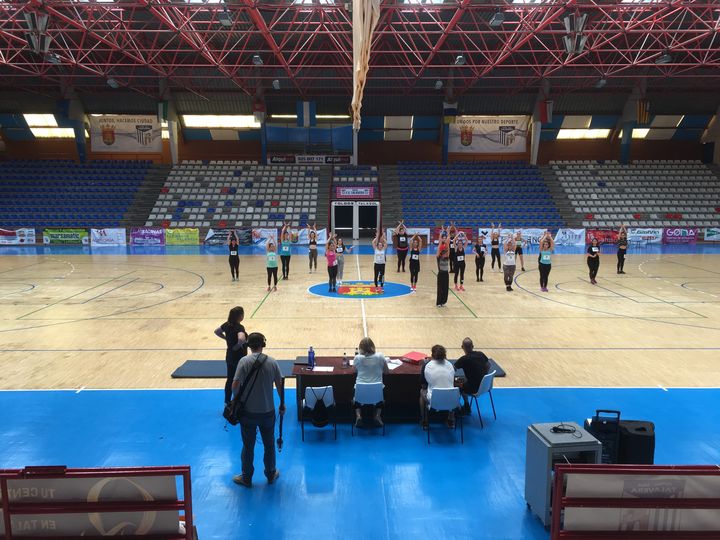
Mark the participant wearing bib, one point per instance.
(519, 249)
(547, 246)
(234, 259)
(593, 259)
(233, 333)
(479, 251)
(285, 251)
(271, 264)
(340, 250)
(414, 261)
(443, 276)
(379, 245)
(459, 263)
(622, 249)
(401, 245)
(509, 267)
(495, 246)
(312, 247)
(452, 235)
(332, 267)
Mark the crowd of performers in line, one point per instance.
(453, 249)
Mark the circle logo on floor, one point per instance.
(361, 289)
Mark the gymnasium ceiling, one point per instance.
(151, 46)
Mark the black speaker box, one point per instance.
(637, 442)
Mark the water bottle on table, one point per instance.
(311, 358)
(346, 362)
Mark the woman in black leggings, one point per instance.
(593, 259)
(460, 243)
(312, 247)
(401, 244)
(234, 259)
(235, 338)
(479, 251)
(622, 249)
(495, 246)
(415, 245)
(547, 246)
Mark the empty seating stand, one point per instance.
(476, 194)
(237, 193)
(58, 193)
(349, 174)
(645, 193)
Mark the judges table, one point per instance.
(402, 387)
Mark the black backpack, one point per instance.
(320, 415)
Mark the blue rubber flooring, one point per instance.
(361, 487)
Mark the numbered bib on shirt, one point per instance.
(233, 253)
(460, 258)
(415, 257)
(545, 258)
(595, 249)
(339, 250)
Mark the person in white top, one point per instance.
(509, 262)
(437, 373)
(379, 244)
(370, 366)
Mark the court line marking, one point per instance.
(391, 347)
(261, 303)
(18, 267)
(456, 296)
(362, 300)
(498, 388)
(74, 295)
(111, 290)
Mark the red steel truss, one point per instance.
(307, 45)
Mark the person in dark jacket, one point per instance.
(233, 332)
(475, 365)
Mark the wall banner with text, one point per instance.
(489, 134)
(125, 133)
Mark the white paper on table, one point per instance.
(394, 364)
(322, 368)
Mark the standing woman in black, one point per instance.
(233, 332)
(452, 234)
(593, 259)
(479, 251)
(495, 246)
(312, 247)
(622, 249)
(401, 244)
(415, 245)
(234, 258)
(460, 244)
(443, 275)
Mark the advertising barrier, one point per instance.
(216, 237)
(303, 240)
(65, 236)
(182, 237)
(712, 234)
(308, 159)
(604, 236)
(17, 237)
(422, 232)
(570, 237)
(469, 233)
(645, 235)
(680, 235)
(147, 236)
(108, 237)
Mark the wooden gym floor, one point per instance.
(127, 321)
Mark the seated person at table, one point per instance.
(475, 365)
(370, 366)
(436, 373)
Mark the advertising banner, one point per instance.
(466, 230)
(125, 133)
(65, 236)
(108, 237)
(303, 240)
(182, 237)
(531, 236)
(17, 237)
(712, 234)
(215, 237)
(680, 235)
(570, 237)
(147, 236)
(604, 236)
(261, 236)
(645, 235)
(308, 159)
(363, 192)
(489, 134)
(422, 232)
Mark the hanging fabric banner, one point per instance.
(489, 134)
(125, 133)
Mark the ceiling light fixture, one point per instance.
(256, 60)
(497, 19)
(276, 84)
(601, 83)
(113, 83)
(460, 60)
(665, 58)
(438, 85)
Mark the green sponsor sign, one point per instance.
(66, 236)
(182, 237)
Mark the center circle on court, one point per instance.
(357, 290)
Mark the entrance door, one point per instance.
(343, 219)
(368, 219)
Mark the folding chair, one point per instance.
(313, 395)
(486, 386)
(445, 400)
(368, 394)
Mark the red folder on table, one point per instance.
(413, 357)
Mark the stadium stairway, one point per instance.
(390, 197)
(323, 199)
(146, 196)
(562, 201)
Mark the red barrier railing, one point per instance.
(561, 502)
(144, 504)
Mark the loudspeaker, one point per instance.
(604, 426)
(637, 442)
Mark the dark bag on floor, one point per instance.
(234, 410)
(320, 415)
